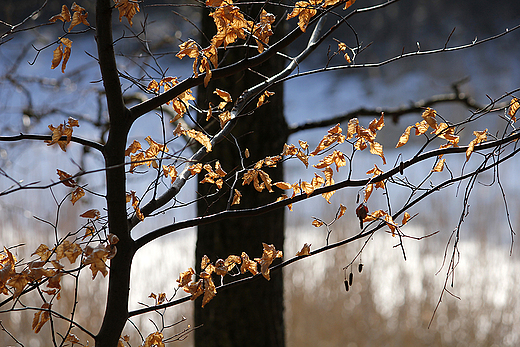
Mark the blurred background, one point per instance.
(392, 302)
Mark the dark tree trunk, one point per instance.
(251, 314)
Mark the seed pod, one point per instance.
(361, 213)
(360, 267)
(346, 285)
(350, 278)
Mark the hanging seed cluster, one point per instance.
(348, 281)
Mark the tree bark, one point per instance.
(250, 314)
(116, 311)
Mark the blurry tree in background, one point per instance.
(154, 136)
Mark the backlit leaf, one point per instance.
(225, 96)
(377, 149)
(439, 166)
(236, 197)
(67, 45)
(335, 157)
(262, 30)
(154, 340)
(185, 277)
(200, 137)
(78, 17)
(406, 218)
(317, 223)
(328, 181)
(334, 135)
(96, 257)
(127, 9)
(261, 99)
(134, 147)
(514, 105)
(268, 256)
(480, 136)
(349, 3)
(404, 137)
(57, 55)
(69, 250)
(429, 116)
(305, 11)
(171, 171)
(64, 16)
(135, 205)
(18, 281)
(223, 118)
(248, 264)
(209, 288)
(342, 210)
(421, 128)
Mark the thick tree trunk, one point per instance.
(251, 314)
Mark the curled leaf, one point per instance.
(439, 166)
(127, 9)
(404, 137)
(268, 256)
(306, 250)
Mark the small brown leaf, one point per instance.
(306, 250)
(64, 16)
(41, 317)
(92, 214)
(77, 194)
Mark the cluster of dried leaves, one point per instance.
(49, 269)
(61, 54)
(204, 284)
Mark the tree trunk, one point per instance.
(250, 314)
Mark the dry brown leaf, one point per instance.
(306, 250)
(261, 99)
(406, 218)
(64, 16)
(41, 317)
(268, 256)
(127, 9)
(439, 166)
(334, 135)
(377, 149)
(305, 11)
(248, 264)
(236, 197)
(514, 105)
(404, 137)
(429, 116)
(92, 214)
(342, 210)
(77, 194)
(154, 340)
(66, 178)
(262, 30)
(185, 277)
(317, 223)
(209, 288)
(78, 17)
(480, 136)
